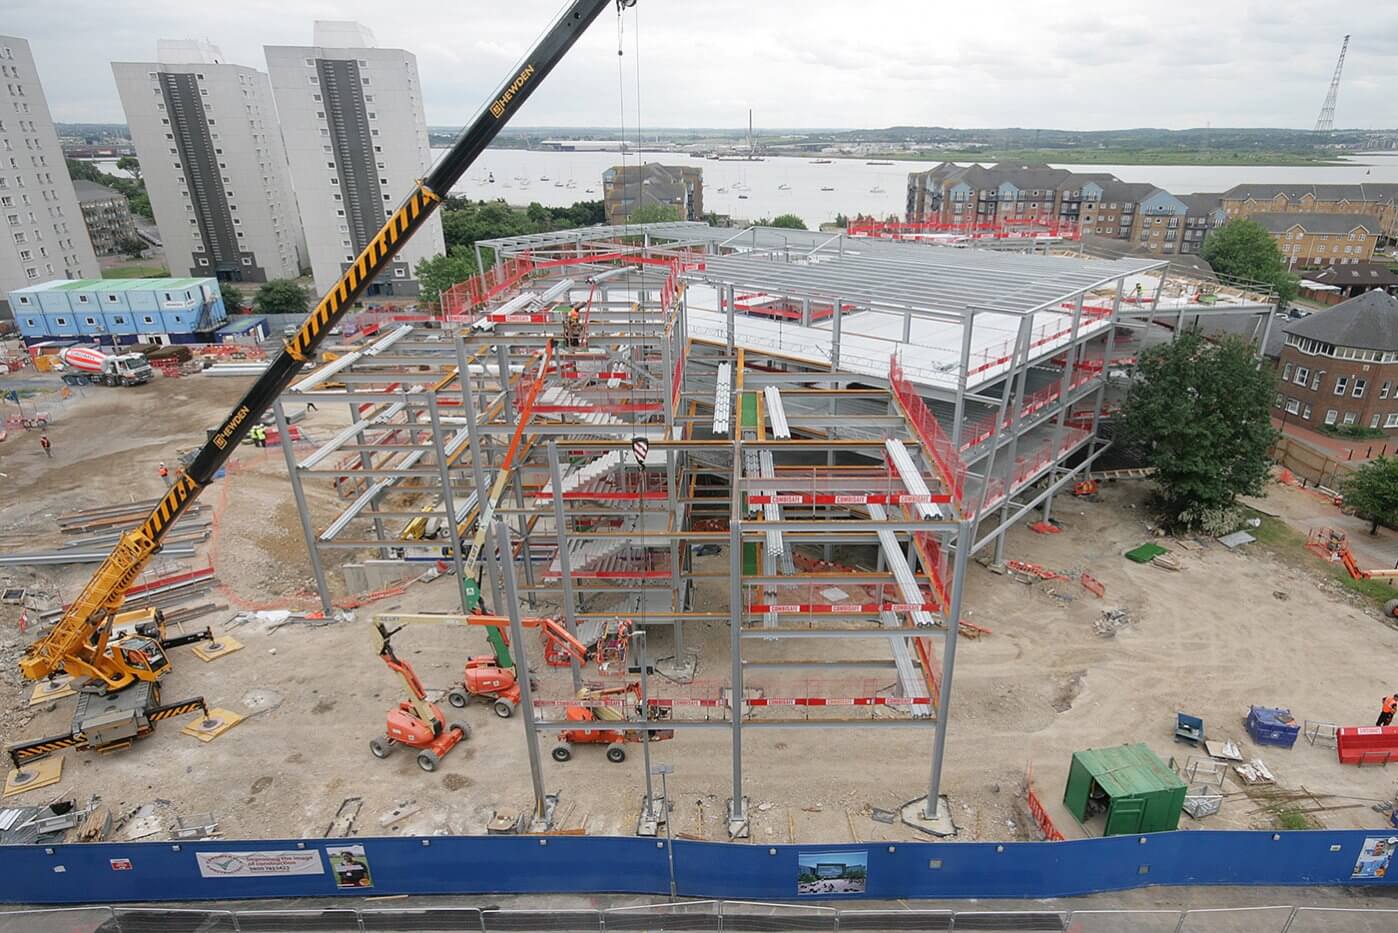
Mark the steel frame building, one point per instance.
(783, 396)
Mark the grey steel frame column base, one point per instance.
(543, 821)
(914, 814)
(652, 817)
(738, 825)
(680, 669)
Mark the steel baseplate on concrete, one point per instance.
(224, 644)
(681, 669)
(33, 775)
(652, 817)
(215, 724)
(738, 825)
(543, 822)
(914, 815)
(51, 688)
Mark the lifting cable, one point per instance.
(633, 308)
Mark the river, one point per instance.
(854, 182)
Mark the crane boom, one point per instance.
(78, 639)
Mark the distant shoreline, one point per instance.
(1226, 158)
(1222, 158)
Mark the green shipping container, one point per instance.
(1138, 791)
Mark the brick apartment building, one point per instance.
(107, 215)
(1175, 224)
(624, 188)
(1322, 239)
(1340, 366)
(1100, 203)
(955, 194)
(1377, 201)
(1113, 212)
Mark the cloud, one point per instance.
(1090, 64)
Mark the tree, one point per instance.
(232, 297)
(1244, 249)
(581, 214)
(281, 296)
(654, 214)
(1372, 491)
(465, 221)
(139, 203)
(84, 171)
(130, 164)
(789, 221)
(132, 246)
(441, 272)
(1199, 412)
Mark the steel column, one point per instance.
(961, 379)
(939, 742)
(473, 441)
(1026, 330)
(727, 295)
(501, 553)
(1107, 358)
(835, 335)
(565, 561)
(299, 495)
(1065, 382)
(366, 462)
(449, 499)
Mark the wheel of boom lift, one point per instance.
(1390, 608)
(504, 709)
(427, 760)
(461, 727)
(562, 753)
(616, 753)
(381, 748)
(457, 698)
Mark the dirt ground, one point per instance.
(1228, 630)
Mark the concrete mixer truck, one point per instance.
(126, 369)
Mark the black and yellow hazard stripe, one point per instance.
(170, 506)
(195, 705)
(416, 209)
(41, 747)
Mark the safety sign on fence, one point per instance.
(260, 864)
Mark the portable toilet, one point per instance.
(1138, 791)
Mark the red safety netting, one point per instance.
(465, 297)
(818, 485)
(1001, 354)
(670, 294)
(1028, 465)
(977, 431)
(935, 442)
(1036, 807)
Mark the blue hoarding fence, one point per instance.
(700, 917)
(116, 872)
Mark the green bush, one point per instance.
(1350, 430)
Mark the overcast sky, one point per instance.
(1072, 64)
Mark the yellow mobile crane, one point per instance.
(79, 642)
